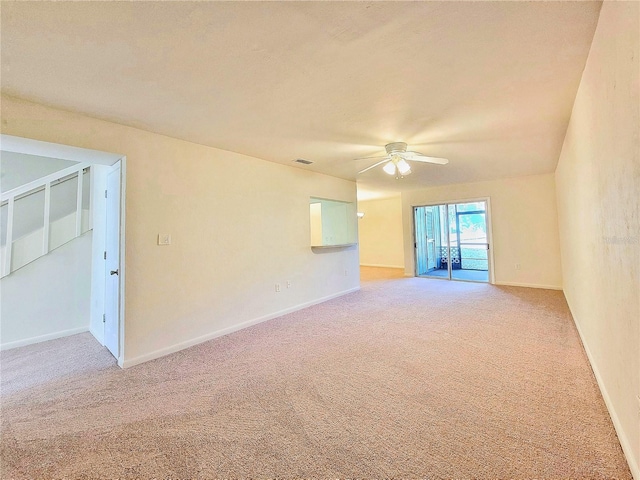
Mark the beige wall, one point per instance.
(239, 225)
(524, 226)
(598, 184)
(380, 233)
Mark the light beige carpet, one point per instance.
(408, 378)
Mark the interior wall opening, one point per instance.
(61, 239)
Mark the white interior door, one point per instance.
(112, 264)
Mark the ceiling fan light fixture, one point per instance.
(403, 167)
(390, 168)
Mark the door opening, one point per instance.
(452, 241)
(106, 171)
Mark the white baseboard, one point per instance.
(529, 285)
(634, 463)
(43, 338)
(381, 266)
(225, 331)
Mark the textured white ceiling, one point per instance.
(489, 85)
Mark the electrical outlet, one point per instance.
(288, 283)
(277, 287)
(164, 239)
(518, 266)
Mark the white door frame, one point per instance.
(487, 200)
(30, 146)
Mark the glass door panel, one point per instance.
(469, 232)
(420, 228)
(431, 241)
(453, 254)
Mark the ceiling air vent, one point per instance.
(302, 161)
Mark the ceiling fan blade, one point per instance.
(372, 158)
(374, 165)
(419, 157)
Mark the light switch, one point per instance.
(164, 239)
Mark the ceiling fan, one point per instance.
(396, 160)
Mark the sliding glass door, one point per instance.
(452, 242)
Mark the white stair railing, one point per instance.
(10, 197)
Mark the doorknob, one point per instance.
(114, 272)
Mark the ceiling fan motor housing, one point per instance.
(395, 147)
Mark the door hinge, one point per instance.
(487, 246)
(104, 318)
(105, 255)
(105, 194)
(415, 245)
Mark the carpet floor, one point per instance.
(407, 378)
